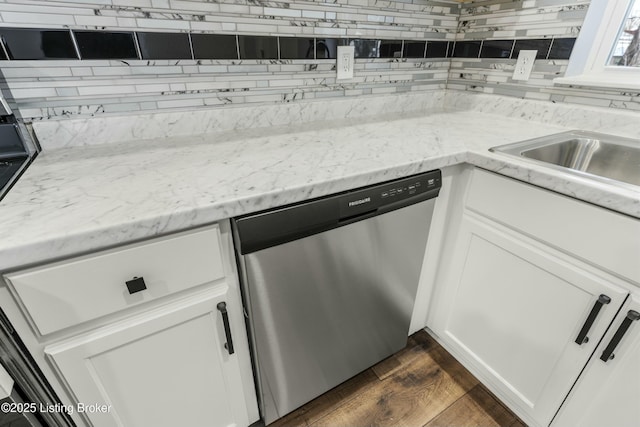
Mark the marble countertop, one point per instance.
(80, 199)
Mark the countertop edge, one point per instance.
(82, 243)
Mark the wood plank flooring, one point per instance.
(422, 385)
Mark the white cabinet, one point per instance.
(70, 292)
(608, 393)
(515, 301)
(151, 351)
(166, 367)
(516, 308)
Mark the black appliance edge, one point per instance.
(284, 224)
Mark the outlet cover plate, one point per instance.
(526, 59)
(344, 65)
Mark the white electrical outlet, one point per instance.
(344, 65)
(526, 59)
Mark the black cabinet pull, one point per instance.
(607, 354)
(582, 336)
(222, 308)
(136, 285)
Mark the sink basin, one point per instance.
(599, 156)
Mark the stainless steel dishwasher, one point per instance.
(329, 285)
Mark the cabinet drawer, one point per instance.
(599, 236)
(70, 292)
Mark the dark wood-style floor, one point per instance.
(422, 385)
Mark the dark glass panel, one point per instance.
(258, 47)
(496, 49)
(296, 48)
(561, 48)
(466, 49)
(164, 45)
(38, 44)
(437, 49)
(390, 49)
(413, 49)
(106, 45)
(213, 46)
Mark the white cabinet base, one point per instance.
(167, 367)
(521, 272)
(160, 361)
(514, 309)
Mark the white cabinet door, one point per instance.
(166, 367)
(608, 393)
(511, 310)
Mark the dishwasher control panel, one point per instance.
(410, 187)
(370, 199)
(262, 230)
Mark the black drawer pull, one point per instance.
(582, 336)
(136, 285)
(222, 308)
(607, 354)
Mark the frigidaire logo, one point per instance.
(359, 202)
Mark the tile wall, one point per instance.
(91, 86)
(544, 20)
(119, 56)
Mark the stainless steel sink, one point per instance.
(599, 156)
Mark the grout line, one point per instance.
(513, 47)
(553, 39)
(75, 44)
(4, 49)
(137, 45)
(193, 56)
(278, 47)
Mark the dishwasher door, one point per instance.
(327, 306)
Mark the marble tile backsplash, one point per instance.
(553, 20)
(70, 88)
(97, 86)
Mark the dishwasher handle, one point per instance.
(358, 216)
